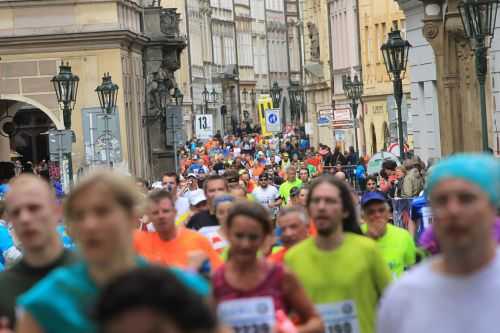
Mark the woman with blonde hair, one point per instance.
(101, 212)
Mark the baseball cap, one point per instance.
(371, 197)
(294, 191)
(197, 198)
(192, 175)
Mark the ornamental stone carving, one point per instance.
(430, 30)
(314, 38)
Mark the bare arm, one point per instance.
(27, 324)
(301, 304)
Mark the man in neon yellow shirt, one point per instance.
(291, 182)
(396, 244)
(342, 271)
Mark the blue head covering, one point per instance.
(223, 198)
(481, 170)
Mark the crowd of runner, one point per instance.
(257, 235)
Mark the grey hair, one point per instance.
(297, 210)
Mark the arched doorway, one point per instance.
(28, 138)
(374, 139)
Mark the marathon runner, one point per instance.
(171, 245)
(291, 182)
(342, 271)
(252, 293)
(149, 300)
(214, 185)
(396, 244)
(102, 211)
(217, 234)
(458, 290)
(293, 223)
(32, 210)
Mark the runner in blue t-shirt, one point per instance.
(6, 245)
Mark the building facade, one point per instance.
(424, 90)
(317, 79)
(424, 113)
(376, 18)
(346, 60)
(94, 38)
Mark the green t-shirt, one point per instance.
(398, 248)
(345, 283)
(286, 187)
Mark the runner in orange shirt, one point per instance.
(171, 245)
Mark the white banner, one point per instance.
(204, 128)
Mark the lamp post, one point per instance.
(107, 92)
(353, 88)
(276, 97)
(66, 87)
(208, 97)
(179, 98)
(276, 94)
(296, 94)
(479, 20)
(395, 52)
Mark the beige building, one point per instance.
(94, 38)
(377, 17)
(317, 69)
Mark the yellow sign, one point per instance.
(265, 102)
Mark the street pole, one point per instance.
(398, 95)
(60, 149)
(67, 115)
(106, 131)
(481, 69)
(354, 107)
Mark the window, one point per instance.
(217, 50)
(245, 56)
(229, 51)
(257, 10)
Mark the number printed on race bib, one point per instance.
(248, 315)
(340, 317)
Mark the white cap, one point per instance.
(157, 185)
(197, 198)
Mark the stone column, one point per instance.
(458, 89)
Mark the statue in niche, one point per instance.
(314, 38)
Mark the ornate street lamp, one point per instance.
(245, 95)
(253, 95)
(479, 20)
(214, 95)
(208, 97)
(178, 96)
(395, 52)
(66, 87)
(276, 94)
(107, 92)
(296, 94)
(353, 90)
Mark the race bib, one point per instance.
(340, 317)
(426, 217)
(248, 315)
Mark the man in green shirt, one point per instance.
(396, 244)
(342, 271)
(32, 209)
(291, 182)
